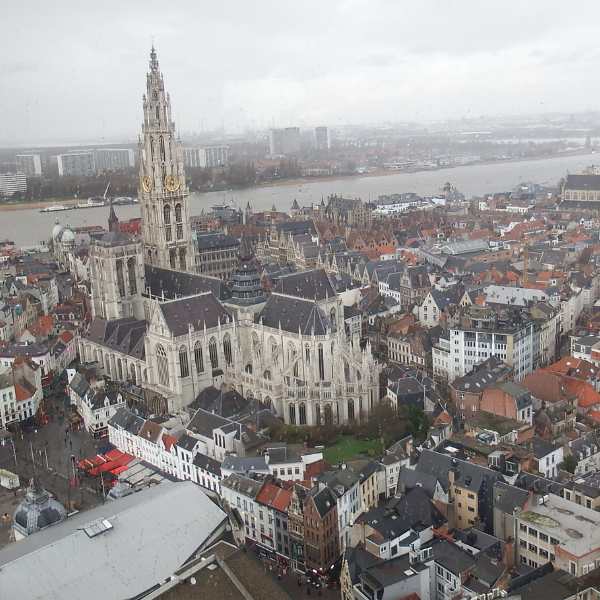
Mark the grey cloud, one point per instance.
(77, 70)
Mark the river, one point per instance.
(26, 227)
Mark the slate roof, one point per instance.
(447, 297)
(123, 335)
(79, 384)
(507, 497)
(204, 423)
(310, 285)
(410, 479)
(97, 401)
(542, 448)
(296, 227)
(452, 557)
(294, 314)
(244, 485)
(467, 474)
(245, 464)
(187, 442)
(224, 403)
(197, 311)
(323, 499)
(359, 560)
(215, 241)
(175, 284)
(583, 182)
(482, 376)
(127, 420)
(413, 511)
(518, 392)
(208, 464)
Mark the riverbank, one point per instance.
(39, 204)
(307, 181)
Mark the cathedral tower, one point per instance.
(163, 194)
(116, 274)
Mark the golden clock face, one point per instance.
(171, 183)
(147, 183)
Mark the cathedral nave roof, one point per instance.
(195, 310)
(122, 335)
(176, 284)
(294, 314)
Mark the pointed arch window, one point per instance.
(162, 144)
(351, 410)
(227, 349)
(212, 351)
(321, 363)
(178, 213)
(173, 257)
(162, 366)
(167, 214)
(182, 256)
(198, 357)
(302, 413)
(292, 412)
(120, 278)
(184, 364)
(328, 415)
(131, 275)
(346, 370)
(317, 414)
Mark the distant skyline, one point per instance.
(75, 72)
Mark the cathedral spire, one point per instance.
(163, 193)
(113, 220)
(153, 60)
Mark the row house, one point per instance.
(167, 447)
(321, 545)
(20, 391)
(345, 485)
(95, 403)
(145, 439)
(275, 502)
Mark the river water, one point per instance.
(26, 227)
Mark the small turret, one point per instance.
(113, 220)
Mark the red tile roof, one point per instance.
(66, 337)
(168, 441)
(22, 393)
(275, 497)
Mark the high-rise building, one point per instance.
(284, 141)
(163, 193)
(206, 157)
(30, 164)
(322, 140)
(12, 183)
(76, 164)
(114, 159)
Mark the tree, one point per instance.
(569, 464)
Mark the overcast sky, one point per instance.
(75, 71)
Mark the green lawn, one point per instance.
(348, 447)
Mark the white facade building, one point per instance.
(12, 183)
(30, 164)
(76, 164)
